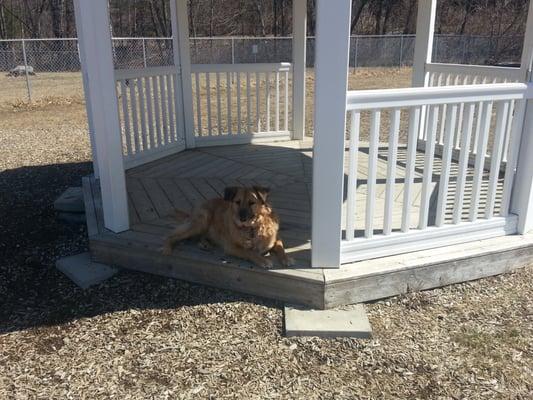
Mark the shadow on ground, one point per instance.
(34, 294)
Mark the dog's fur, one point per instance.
(243, 224)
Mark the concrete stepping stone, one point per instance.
(351, 321)
(83, 272)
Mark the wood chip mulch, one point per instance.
(145, 337)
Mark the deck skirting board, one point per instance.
(304, 290)
(456, 266)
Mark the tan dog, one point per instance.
(242, 224)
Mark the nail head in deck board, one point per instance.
(349, 322)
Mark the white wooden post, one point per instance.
(299, 40)
(94, 36)
(522, 197)
(425, 32)
(332, 46)
(182, 60)
(90, 116)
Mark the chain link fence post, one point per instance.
(144, 52)
(401, 50)
(233, 50)
(27, 73)
(464, 50)
(355, 52)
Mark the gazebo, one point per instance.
(395, 190)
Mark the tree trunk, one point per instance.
(357, 10)
(56, 11)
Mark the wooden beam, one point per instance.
(425, 31)
(94, 37)
(182, 59)
(299, 43)
(331, 71)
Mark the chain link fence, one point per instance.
(50, 67)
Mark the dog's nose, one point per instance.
(243, 215)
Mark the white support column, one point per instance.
(90, 117)
(331, 83)
(94, 36)
(182, 60)
(522, 198)
(299, 43)
(425, 32)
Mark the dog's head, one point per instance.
(247, 203)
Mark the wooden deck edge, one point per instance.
(428, 275)
(287, 288)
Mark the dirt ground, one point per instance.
(144, 337)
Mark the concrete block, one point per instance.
(83, 272)
(70, 201)
(351, 321)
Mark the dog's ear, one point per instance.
(230, 193)
(262, 192)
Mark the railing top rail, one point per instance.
(407, 97)
(489, 71)
(121, 74)
(394, 35)
(259, 67)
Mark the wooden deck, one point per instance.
(183, 180)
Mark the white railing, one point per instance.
(150, 113)
(455, 74)
(242, 101)
(434, 201)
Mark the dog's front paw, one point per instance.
(265, 263)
